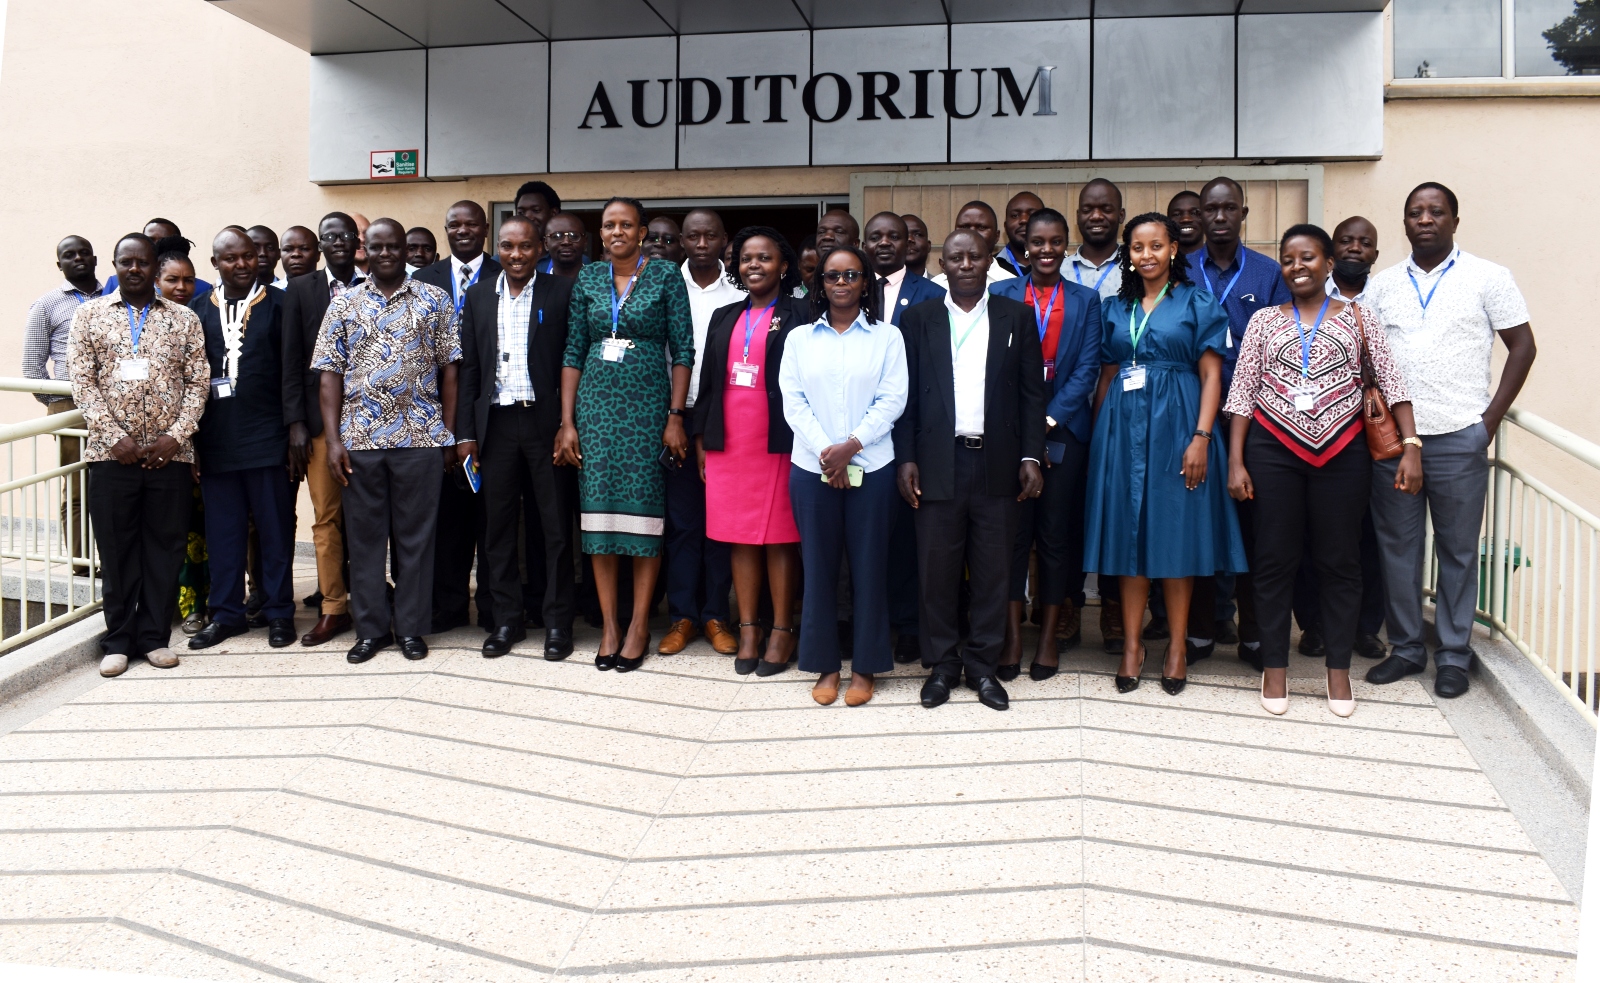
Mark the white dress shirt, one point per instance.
(704, 302)
(995, 275)
(1337, 294)
(969, 357)
(891, 290)
(456, 266)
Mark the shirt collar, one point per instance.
(456, 264)
(500, 284)
(1080, 259)
(980, 309)
(1411, 264)
(717, 284)
(860, 322)
(68, 288)
(1238, 257)
(897, 277)
(356, 276)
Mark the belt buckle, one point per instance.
(971, 443)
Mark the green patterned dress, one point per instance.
(622, 406)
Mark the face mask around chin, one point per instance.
(1352, 270)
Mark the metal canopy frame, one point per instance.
(325, 27)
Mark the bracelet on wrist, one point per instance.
(1203, 433)
(672, 412)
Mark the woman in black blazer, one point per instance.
(743, 442)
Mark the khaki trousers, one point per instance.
(71, 449)
(327, 529)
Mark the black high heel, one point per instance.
(604, 662)
(1127, 684)
(745, 667)
(1039, 673)
(1174, 684)
(620, 664)
(1007, 673)
(765, 668)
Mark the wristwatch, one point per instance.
(671, 412)
(1413, 441)
(1050, 422)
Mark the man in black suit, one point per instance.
(305, 301)
(513, 333)
(460, 513)
(968, 448)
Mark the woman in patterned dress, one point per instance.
(175, 282)
(619, 406)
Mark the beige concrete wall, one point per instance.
(112, 112)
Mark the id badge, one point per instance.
(1049, 369)
(744, 374)
(222, 388)
(1132, 377)
(1304, 402)
(133, 369)
(614, 349)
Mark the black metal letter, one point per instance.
(638, 101)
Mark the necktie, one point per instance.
(466, 278)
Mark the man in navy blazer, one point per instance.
(1068, 313)
(886, 242)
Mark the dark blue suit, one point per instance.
(1053, 522)
(914, 289)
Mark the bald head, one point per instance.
(234, 256)
(837, 228)
(466, 227)
(231, 234)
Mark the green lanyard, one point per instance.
(1136, 334)
(961, 341)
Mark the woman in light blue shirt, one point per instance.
(844, 385)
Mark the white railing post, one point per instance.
(1499, 553)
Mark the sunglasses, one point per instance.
(662, 239)
(332, 237)
(841, 276)
(562, 236)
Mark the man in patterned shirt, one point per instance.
(140, 375)
(388, 355)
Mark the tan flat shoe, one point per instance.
(825, 695)
(855, 696)
(114, 664)
(161, 658)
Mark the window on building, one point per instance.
(1451, 39)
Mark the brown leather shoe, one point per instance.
(679, 636)
(825, 695)
(327, 626)
(857, 695)
(721, 639)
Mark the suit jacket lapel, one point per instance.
(1002, 336)
(944, 366)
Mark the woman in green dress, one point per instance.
(622, 416)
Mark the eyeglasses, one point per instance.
(332, 237)
(662, 239)
(562, 236)
(847, 276)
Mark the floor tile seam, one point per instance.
(157, 757)
(810, 957)
(209, 950)
(1239, 745)
(356, 920)
(1261, 716)
(479, 783)
(580, 692)
(1268, 821)
(844, 899)
(1208, 680)
(1083, 846)
(1348, 874)
(187, 703)
(866, 807)
(170, 730)
(644, 671)
(446, 824)
(55, 830)
(516, 750)
(644, 834)
(182, 677)
(87, 872)
(1290, 974)
(1301, 788)
(953, 766)
(549, 720)
(57, 920)
(874, 848)
(798, 738)
(61, 793)
(1328, 922)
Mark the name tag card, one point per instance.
(744, 374)
(1305, 399)
(614, 349)
(133, 369)
(222, 388)
(1132, 377)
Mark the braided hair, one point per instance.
(1132, 287)
(791, 276)
(871, 294)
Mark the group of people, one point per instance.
(854, 458)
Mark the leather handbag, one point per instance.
(1383, 434)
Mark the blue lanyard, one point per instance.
(1043, 319)
(1418, 287)
(137, 329)
(1222, 297)
(617, 302)
(1103, 273)
(1306, 343)
(1011, 257)
(749, 322)
(458, 291)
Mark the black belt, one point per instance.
(970, 443)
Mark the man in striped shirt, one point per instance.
(44, 347)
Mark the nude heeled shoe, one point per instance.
(1340, 708)
(1277, 707)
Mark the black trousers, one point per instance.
(392, 501)
(1053, 524)
(517, 456)
(835, 524)
(459, 531)
(231, 498)
(140, 518)
(1308, 605)
(1293, 497)
(973, 531)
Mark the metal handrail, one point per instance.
(41, 387)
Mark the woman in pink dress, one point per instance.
(744, 443)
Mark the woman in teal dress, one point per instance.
(619, 408)
(1157, 505)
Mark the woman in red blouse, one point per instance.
(1299, 457)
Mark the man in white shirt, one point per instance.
(699, 571)
(979, 217)
(966, 459)
(1441, 310)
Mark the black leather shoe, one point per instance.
(1173, 685)
(991, 694)
(745, 667)
(1127, 684)
(603, 662)
(1311, 644)
(366, 648)
(557, 643)
(1039, 672)
(907, 649)
(620, 664)
(1371, 647)
(214, 633)
(1392, 670)
(1252, 657)
(413, 647)
(1451, 682)
(936, 689)
(1199, 652)
(501, 639)
(1007, 673)
(280, 632)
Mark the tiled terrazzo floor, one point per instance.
(265, 815)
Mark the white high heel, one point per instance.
(1340, 708)
(1277, 707)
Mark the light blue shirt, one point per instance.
(836, 386)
